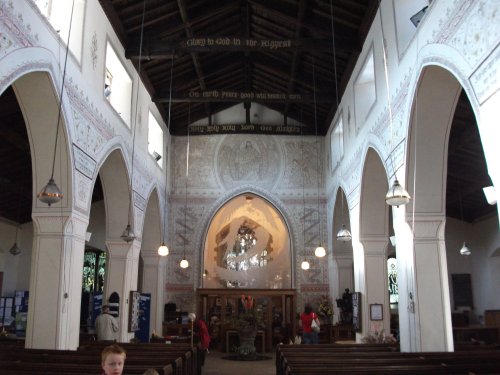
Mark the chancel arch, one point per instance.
(247, 245)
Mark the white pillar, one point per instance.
(343, 277)
(121, 277)
(488, 129)
(374, 290)
(424, 302)
(56, 281)
(154, 282)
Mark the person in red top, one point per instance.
(306, 318)
(201, 329)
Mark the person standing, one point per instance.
(201, 330)
(306, 318)
(106, 326)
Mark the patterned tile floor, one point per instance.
(215, 365)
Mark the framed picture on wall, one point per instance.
(133, 323)
(376, 311)
(356, 311)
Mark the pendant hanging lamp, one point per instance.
(128, 234)
(184, 262)
(320, 251)
(396, 195)
(163, 249)
(305, 263)
(464, 250)
(51, 193)
(343, 234)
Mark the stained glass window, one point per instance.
(392, 280)
(94, 264)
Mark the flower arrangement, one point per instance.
(325, 307)
(247, 302)
(379, 337)
(248, 316)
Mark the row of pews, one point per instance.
(167, 359)
(381, 359)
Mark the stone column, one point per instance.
(121, 277)
(342, 277)
(56, 281)
(430, 303)
(154, 282)
(374, 289)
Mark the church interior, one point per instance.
(241, 159)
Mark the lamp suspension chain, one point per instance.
(396, 195)
(128, 234)
(51, 193)
(163, 249)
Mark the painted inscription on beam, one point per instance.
(244, 129)
(239, 96)
(159, 49)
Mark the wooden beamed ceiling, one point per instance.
(287, 71)
(277, 53)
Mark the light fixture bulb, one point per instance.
(50, 193)
(320, 251)
(465, 250)
(184, 263)
(397, 195)
(344, 235)
(305, 265)
(163, 250)
(128, 234)
(15, 250)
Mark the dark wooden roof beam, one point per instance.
(157, 49)
(238, 96)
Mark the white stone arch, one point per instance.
(115, 179)
(59, 231)
(274, 201)
(428, 327)
(152, 225)
(152, 266)
(341, 274)
(370, 262)
(39, 103)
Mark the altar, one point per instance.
(276, 309)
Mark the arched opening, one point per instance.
(448, 170)
(371, 263)
(151, 270)
(247, 246)
(16, 227)
(30, 108)
(342, 271)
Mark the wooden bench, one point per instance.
(328, 359)
(166, 359)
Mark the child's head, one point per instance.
(150, 371)
(113, 359)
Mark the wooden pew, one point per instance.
(168, 360)
(321, 359)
